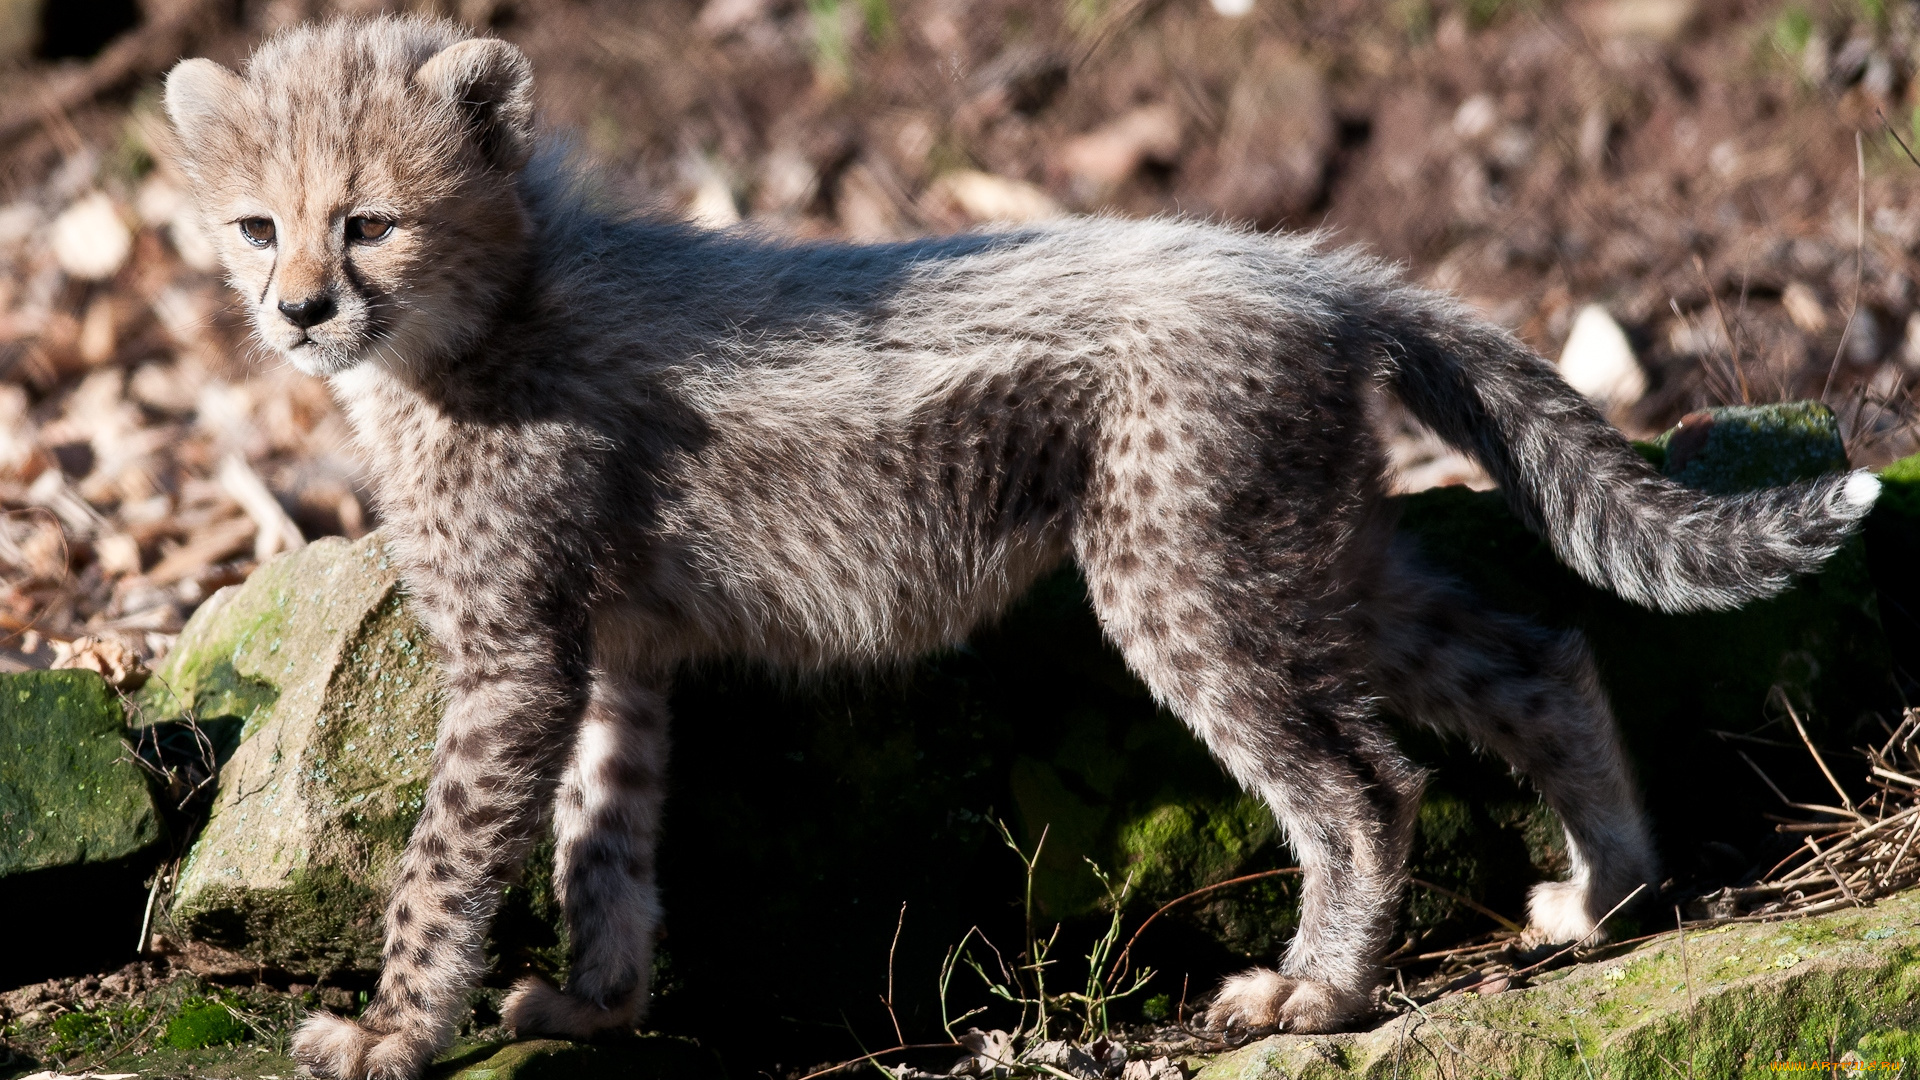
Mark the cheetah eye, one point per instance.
(257, 230)
(368, 230)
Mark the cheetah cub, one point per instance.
(605, 447)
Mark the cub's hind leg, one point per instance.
(1290, 720)
(1248, 647)
(1530, 695)
(606, 824)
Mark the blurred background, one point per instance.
(1724, 179)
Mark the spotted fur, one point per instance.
(606, 446)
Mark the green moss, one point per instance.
(321, 921)
(1756, 446)
(374, 752)
(1904, 471)
(1175, 846)
(204, 685)
(80, 1032)
(202, 1023)
(217, 694)
(1540, 829)
(1728, 1003)
(1445, 830)
(70, 792)
(1900, 487)
(1890, 1045)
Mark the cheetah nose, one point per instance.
(312, 311)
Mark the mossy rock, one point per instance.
(1893, 558)
(1900, 491)
(79, 832)
(1738, 448)
(1730, 1001)
(322, 694)
(71, 793)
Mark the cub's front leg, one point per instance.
(606, 822)
(497, 761)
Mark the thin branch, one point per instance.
(1821, 857)
(1733, 343)
(1436, 1027)
(1794, 715)
(1714, 377)
(1768, 780)
(1504, 922)
(1896, 135)
(1897, 777)
(146, 50)
(1400, 1041)
(1859, 260)
(888, 1000)
(1611, 912)
(1791, 855)
(1126, 952)
(881, 1053)
(1901, 857)
(1579, 1049)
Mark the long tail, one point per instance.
(1574, 480)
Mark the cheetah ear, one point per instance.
(491, 83)
(200, 94)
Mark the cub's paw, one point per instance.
(537, 1007)
(1559, 911)
(1261, 1002)
(339, 1049)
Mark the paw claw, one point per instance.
(335, 1048)
(1260, 1002)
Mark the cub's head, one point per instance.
(358, 181)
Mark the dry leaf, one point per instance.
(111, 659)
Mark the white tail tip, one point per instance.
(1862, 489)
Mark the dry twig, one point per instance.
(1859, 261)
(1849, 862)
(891, 949)
(147, 50)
